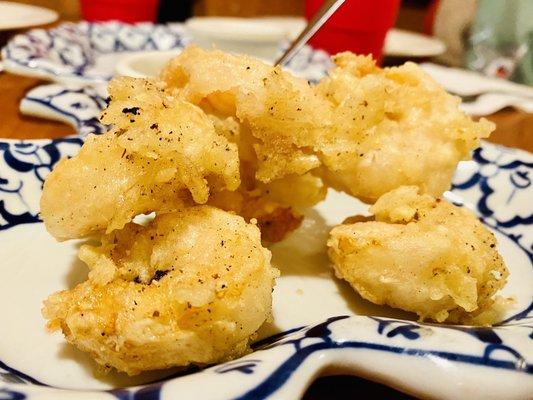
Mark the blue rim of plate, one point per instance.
(25, 163)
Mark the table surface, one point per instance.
(514, 129)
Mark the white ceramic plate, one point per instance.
(144, 64)
(293, 26)
(238, 29)
(319, 322)
(18, 16)
(400, 43)
(89, 52)
(256, 37)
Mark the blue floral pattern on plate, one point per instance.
(71, 50)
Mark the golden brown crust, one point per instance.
(190, 287)
(392, 127)
(423, 255)
(160, 152)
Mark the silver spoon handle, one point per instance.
(327, 10)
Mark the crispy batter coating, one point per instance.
(423, 255)
(363, 129)
(191, 287)
(160, 151)
(271, 116)
(392, 127)
(274, 220)
(280, 113)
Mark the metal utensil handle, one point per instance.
(327, 10)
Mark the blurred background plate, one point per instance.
(254, 36)
(89, 53)
(85, 52)
(400, 43)
(144, 64)
(16, 16)
(292, 25)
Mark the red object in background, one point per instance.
(429, 21)
(359, 26)
(120, 10)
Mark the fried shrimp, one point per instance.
(191, 287)
(392, 127)
(160, 152)
(423, 255)
(279, 112)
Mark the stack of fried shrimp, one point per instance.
(225, 150)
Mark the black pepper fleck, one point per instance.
(159, 274)
(131, 110)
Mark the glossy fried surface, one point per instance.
(217, 122)
(280, 113)
(270, 114)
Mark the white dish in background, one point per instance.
(17, 16)
(85, 52)
(466, 83)
(400, 43)
(253, 36)
(89, 53)
(292, 26)
(241, 29)
(144, 64)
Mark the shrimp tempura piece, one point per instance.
(423, 255)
